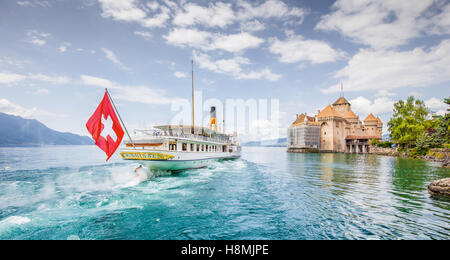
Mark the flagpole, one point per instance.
(120, 118)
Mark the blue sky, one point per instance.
(57, 56)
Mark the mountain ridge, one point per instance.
(18, 131)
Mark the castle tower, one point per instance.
(380, 127)
(371, 125)
(342, 106)
(332, 130)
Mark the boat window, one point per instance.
(207, 148)
(184, 147)
(192, 147)
(198, 147)
(203, 147)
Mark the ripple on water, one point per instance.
(268, 194)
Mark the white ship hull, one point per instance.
(171, 149)
(176, 161)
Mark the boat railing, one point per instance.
(156, 133)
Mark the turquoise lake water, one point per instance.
(69, 192)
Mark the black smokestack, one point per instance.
(213, 112)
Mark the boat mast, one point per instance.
(193, 129)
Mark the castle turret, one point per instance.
(342, 106)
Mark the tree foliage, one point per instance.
(409, 121)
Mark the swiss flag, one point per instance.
(105, 127)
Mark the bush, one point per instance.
(374, 142)
(414, 152)
(387, 144)
(447, 146)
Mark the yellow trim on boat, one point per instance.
(145, 156)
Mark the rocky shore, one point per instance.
(435, 155)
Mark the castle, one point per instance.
(334, 129)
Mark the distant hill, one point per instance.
(281, 142)
(18, 131)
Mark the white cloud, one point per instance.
(379, 106)
(269, 9)
(208, 41)
(63, 47)
(381, 69)
(9, 107)
(441, 22)
(110, 55)
(385, 24)
(215, 15)
(11, 78)
(128, 11)
(188, 37)
(437, 106)
(233, 67)
(37, 38)
(180, 74)
(140, 93)
(8, 78)
(265, 73)
(34, 3)
(236, 42)
(252, 26)
(295, 49)
(221, 14)
(144, 34)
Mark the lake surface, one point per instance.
(69, 192)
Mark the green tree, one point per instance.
(442, 134)
(409, 121)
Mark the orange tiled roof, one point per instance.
(350, 115)
(301, 120)
(341, 101)
(329, 111)
(379, 121)
(370, 118)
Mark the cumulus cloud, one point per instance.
(295, 49)
(252, 26)
(215, 15)
(233, 67)
(379, 106)
(269, 9)
(383, 69)
(9, 107)
(385, 24)
(208, 41)
(37, 38)
(128, 11)
(437, 106)
(139, 93)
